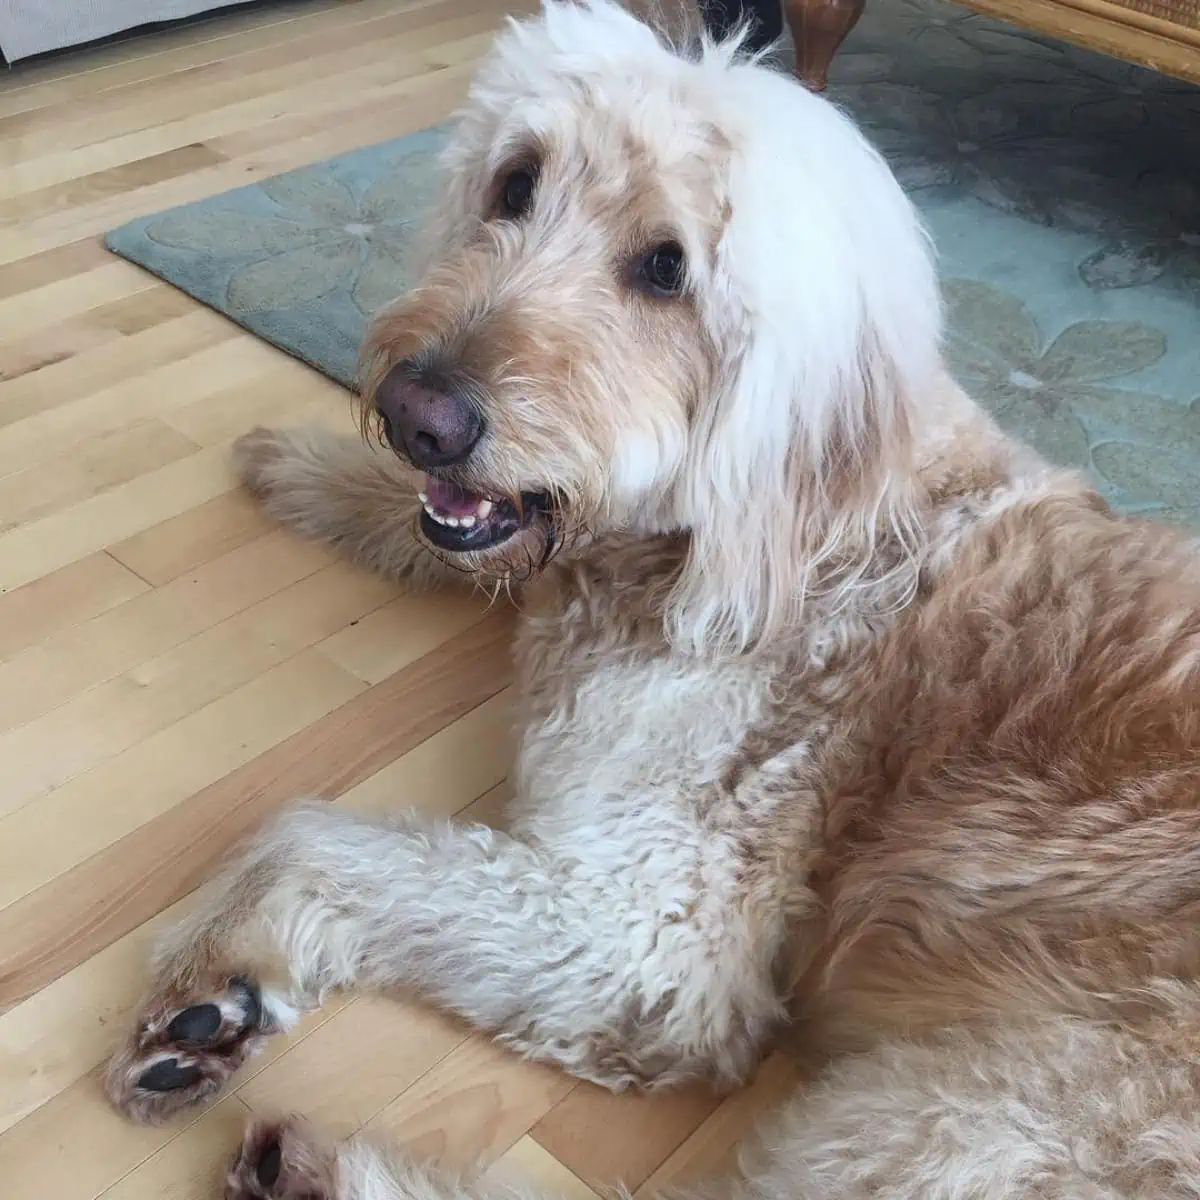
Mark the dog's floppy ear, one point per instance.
(823, 308)
(784, 510)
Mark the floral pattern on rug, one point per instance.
(1061, 397)
(303, 259)
(322, 239)
(1036, 128)
(1062, 190)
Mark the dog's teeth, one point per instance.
(482, 511)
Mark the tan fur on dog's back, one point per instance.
(1017, 829)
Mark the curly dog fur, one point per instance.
(842, 715)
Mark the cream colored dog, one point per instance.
(839, 709)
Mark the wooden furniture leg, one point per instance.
(818, 28)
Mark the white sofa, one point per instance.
(33, 26)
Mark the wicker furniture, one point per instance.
(1163, 34)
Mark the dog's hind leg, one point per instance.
(1059, 1110)
(288, 1160)
(613, 974)
(336, 490)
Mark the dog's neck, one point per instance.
(960, 460)
(959, 450)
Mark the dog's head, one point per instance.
(665, 292)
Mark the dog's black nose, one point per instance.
(431, 426)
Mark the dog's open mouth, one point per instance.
(462, 521)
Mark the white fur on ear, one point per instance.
(644, 463)
(824, 305)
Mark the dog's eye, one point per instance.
(516, 197)
(663, 269)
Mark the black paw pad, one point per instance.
(169, 1076)
(269, 1163)
(197, 1025)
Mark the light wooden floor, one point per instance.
(172, 668)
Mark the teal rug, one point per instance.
(1062, 189)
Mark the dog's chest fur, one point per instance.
(621, 737)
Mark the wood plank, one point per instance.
(50, 346)
(525, 1162)
(25, 312)
(160, 696)
(60, 538)
(64, 598)
(356, 1064)
(107, 324)
(116, 457)
(225, 82)
(224, 415)
(472, 1107)
(75, 1146)
(605, 1138)
(33, 380)
(86, 413)
(51, 266)
(86, 70)
(150, 623)
(109, 181)
(230, 34)
(186, 542)
(296, 138)
(711, 1148)
(452, 772)
(491, 808)
(391, 73)
(192, 1165)
(390, 83)
(384, 640)
(48, 1043)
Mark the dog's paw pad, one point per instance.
(181, 1054)
(169, 1075)
(281, 1160)
(220, 1021)
(266, 1170)
(198, 1024)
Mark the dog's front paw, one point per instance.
(186, 1044)
(282, 1160)
(263, 458)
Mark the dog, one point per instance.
(845, 719)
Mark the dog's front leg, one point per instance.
(603, 968)
(338, 491)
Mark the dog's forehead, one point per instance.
(594, 81)
(609, 132)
